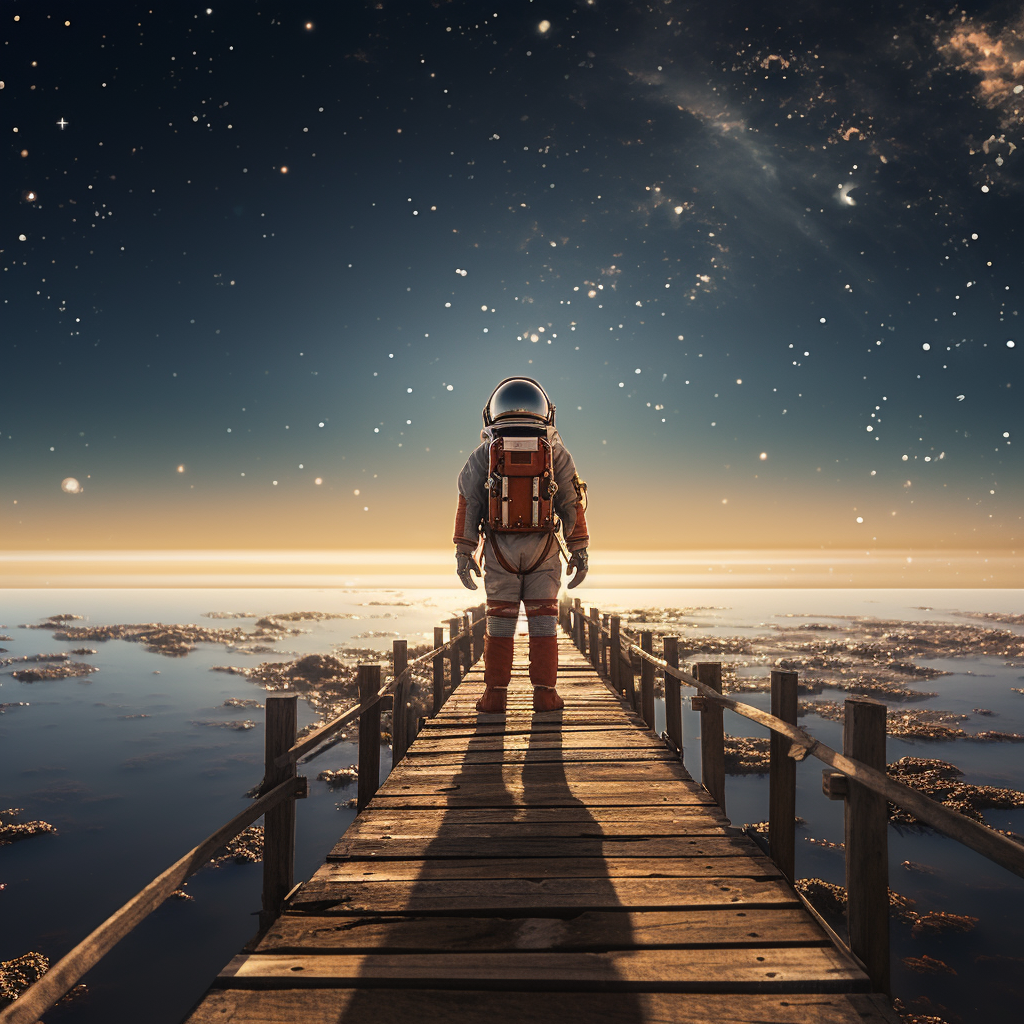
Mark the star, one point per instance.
(63, 124)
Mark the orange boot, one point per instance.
(544, 673)
(497, 673)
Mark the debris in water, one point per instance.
(236, 702)
(62, 670)
(245, 848)
(11, 830)
(248, 723)
(925, 964)
(941, 781)
(340, 776)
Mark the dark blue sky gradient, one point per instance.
(178, 300)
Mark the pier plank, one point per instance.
(592, 930)
(360, 1006)
(733, 969)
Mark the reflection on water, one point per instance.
(128, 764)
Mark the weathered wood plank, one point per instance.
(535, 796)
(293, 933)
(419, 817)
(359, 1006)
(558, 755)
(628, 772)
(527, 847)
(602, 863)
(438, 730)
(595, 740)
(606, 792)
(503, 896)
(758, 969)
(389, 827)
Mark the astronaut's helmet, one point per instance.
(518, 402)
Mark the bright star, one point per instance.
(63, 124)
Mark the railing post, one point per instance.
(712, 734)
(467, 643)
(867, 855)
(399, 712)
(605, 662)
(474, 639)
(615, 655)
(438, 670)
(647, 680)
(627, 667)
(454, 655)
(673, 698)
(595, 639)
(581, 639)
(369, 736)
(279, 821)
(782, 777)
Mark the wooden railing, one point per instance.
(276, 796)
(856, 776)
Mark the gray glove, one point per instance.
(465, 565)
(580, 563)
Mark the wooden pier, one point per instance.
(543, 868)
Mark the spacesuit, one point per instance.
(521, 555)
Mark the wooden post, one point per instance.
(615, 657)
(867, 854)
(278, 822)
(647, 680)
(369, 736)
(712, 734)
(627, 667)
(782, 777)
(477, 638)
(400, 713)
(454, 655)
(673, 697)
(604, 646)
(438, 670)
(581, 640)
(594, 644)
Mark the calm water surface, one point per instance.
(130, 794)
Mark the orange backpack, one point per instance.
(520, 486)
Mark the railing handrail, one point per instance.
(984, 840)
(42, 994)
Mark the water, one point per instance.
(130, 794)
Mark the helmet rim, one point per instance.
(522, 415)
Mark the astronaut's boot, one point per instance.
(544, 673)
(497, 673)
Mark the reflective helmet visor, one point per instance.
(518, 397)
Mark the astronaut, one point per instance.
(517, 489)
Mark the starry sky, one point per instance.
(262, 264)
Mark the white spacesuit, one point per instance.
(517, 489)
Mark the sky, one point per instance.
(263, 264)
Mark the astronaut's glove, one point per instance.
(580, 563)
(465, 564)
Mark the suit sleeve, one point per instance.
(569, 501)
(472, 505)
